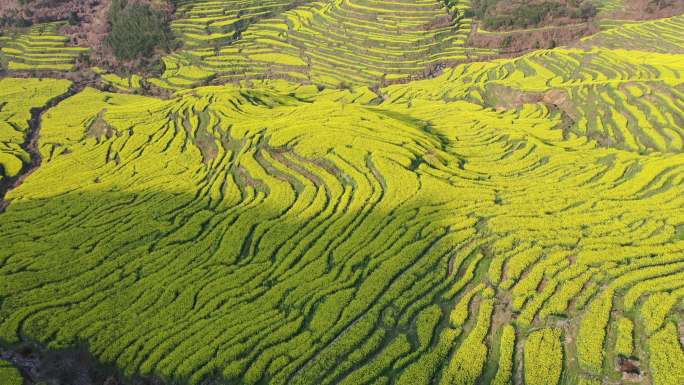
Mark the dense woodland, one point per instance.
(506, 14)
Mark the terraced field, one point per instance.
(606, 7)
(41, 48)
(619, 98)
(662, 35)
(515, 221)
(18, 97)
(344, 42)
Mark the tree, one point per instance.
(73, 18)
(137, 30)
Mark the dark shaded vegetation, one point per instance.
(137, 29)
(498, 14)
(655, 5)
(74, 366)
(515, 42)
(663, 8)
(14, 18)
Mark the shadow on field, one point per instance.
(117, 275)
(75, 366)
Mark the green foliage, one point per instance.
(422, 371)
(17, 98)
(9, 375)
(592, 332)
(655, 309)
(316, 41)
(504, 373)
(525, 15)
(589, 381)
(666, 357)
(643, 36)
(426, 323)
(543, 357)
(274, 232)
(467, 363)
(137, 30)
(459, 314)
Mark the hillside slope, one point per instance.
(350, 42)
(491, 224)
(511, 221)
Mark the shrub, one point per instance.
(522, 15)
(592, 333)
(506, 353)
(137, 30)
(73, 18)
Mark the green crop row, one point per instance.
(624, 344)
(41, 48)
(9, 374)
(334, 44)
(543, 357)
(467, 363)
(504, 373)
(661, 35)
(656, 308)
(592, 332)
(17, 98)
(666, 357)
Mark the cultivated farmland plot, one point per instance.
(510, 221)
(41, 48)
(356, 42)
